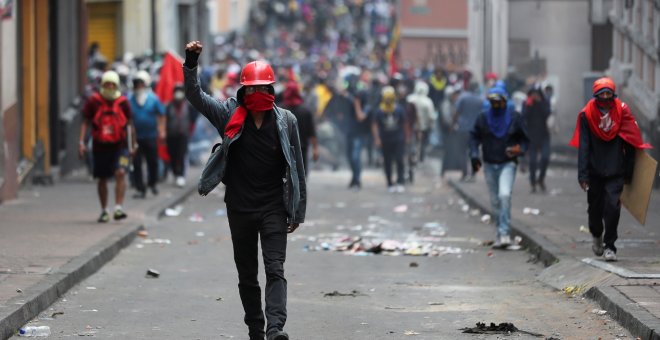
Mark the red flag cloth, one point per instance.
(170, 74)
(162, 151)
(623, 125)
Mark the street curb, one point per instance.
(41, 295)
(631, 316)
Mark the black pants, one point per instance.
(539, 158)
(423, 144)
(147, 149)
(246, 228)
(177, 147)
(605, 208)
(393, 152)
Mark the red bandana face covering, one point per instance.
(259, 101)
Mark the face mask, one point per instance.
(605, 104)
(259, 101)
(109, 94)
(179, 95)
(141, 96)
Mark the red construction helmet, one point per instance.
(257, 73)
(603, 84)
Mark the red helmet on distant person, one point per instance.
(603, 84)
(257, 73)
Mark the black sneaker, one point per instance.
(119, 215)
(154, 191)
(104, 218)
(140, 195)
(278, 335)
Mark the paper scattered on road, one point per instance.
(485, 219)
(196, 217)
(531, 211)
(598, 311)
(401, 209)
(156, 241)
(410, 333)
(173, 212)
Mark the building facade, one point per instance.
(634, 65)
(434, 32)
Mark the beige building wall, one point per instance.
(558, 32)
(137, 26)
(228, 15)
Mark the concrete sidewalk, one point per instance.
(50, 240)
(558, 236)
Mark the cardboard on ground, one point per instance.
(637, 195)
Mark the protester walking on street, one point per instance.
(502, 135)
(606, 135)
(425, 116)
(108, 113)
(265, 184)
(467, 109)
(357, 130)
(536, 111)
(150, 127)
(292, 100)
(180, 117)
(390, 135)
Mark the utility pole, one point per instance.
(153, 28)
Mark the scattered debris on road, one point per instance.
(353, 293)
(410, 333)
(152, 273)
(174, 212)
(531, 211)
(598, 311)
(143, 233)
(502, 328)
(196, 218)
(414, 264)
(156, 241)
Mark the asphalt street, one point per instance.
(333, 294)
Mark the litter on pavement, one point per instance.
(531, 211)
(502, 328)
(353, 293)
(156, 241)
(196, 217)
(152, 273)
(173, 212)
(598, 311)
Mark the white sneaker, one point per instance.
(391, 189)
(609, 255)
(180, 182)
(400, 189)
(502, 242)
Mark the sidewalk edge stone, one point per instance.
(632, 317)
(41, 295)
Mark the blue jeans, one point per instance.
(354, 152)
(500, 178)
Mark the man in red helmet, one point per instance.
(606, 135)
(263, 163)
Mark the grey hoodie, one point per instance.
(423, 105)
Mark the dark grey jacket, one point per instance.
(219, 112)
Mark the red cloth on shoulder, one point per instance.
(236, 122)
(624, 125)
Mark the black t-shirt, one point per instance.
(255, 168)
(306, 126)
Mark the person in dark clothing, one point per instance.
(536, 111)
(265, 185)
(606, 135)
(389, 131)
(501, 133)
(181, 117)
(357, 130)
(292, 100)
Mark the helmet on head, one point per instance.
(603, 84)
(257, 73)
